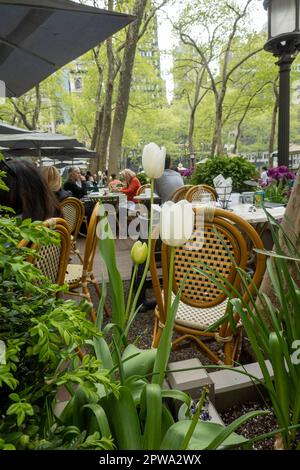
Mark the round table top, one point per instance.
(257, 215)
(251, 214)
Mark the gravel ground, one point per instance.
(142, 329)
(254, 427)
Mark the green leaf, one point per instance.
(204, 434)
(142, 362)
(108, 254)
(151, 406)
(123, 420)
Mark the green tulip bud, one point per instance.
(139, 252)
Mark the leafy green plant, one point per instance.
(237, 168)
(277, 192)
(41, 336)
(138, 416)
(142, 177)
(117, 394)
(273, 329)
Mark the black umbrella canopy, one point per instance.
(9, 129)
(55, 153)
(39, 37)
(37, 140)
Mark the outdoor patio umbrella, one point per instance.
(37, 37)
(54, 153)
(9, 129)
(37, 140)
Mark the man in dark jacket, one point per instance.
(76, 183)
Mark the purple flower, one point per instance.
(187, 172)
(280, 173)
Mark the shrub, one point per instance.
(237, 168)
(38, 333)
(142, 178)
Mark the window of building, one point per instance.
(78, 83)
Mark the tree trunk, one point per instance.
(31, 124)
(37, 109)
(104, 123)
(191, 131)
(122, 103)
(193, 108)
(273, 124)
(99, 115)
(217, 144)
(239, 127)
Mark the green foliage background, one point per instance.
(237, 168)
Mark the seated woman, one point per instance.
(53, 178)
(114, 182)
(28, 193)
(132, 184)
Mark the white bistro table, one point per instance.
(258, 215)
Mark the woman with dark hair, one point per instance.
(28, 193)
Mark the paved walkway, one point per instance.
(123, 248)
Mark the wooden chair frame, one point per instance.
(233, 229)
(181, 193)
(142, 188)
(202, 188)
(62, 227)
(80, 276)
(74, 224)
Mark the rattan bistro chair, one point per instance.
(202, 302)
(53, 259)
(196, 193)
(181, 193)
(73, 212)
(142, 188)
(79, 276)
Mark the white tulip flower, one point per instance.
(153, 160)
(176, 222)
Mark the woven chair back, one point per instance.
(180, 193)
(213, 246)
(196, 193)
(53, 259)
(73, 212)
(219, 244)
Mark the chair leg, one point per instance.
(201, 345)
(157, 332)
(228, 354)
(237, 345)
(77, 252)
(232, 348)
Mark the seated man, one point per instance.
(76, 183)
(166, 185)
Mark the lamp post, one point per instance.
(192, 157)
(284, 43)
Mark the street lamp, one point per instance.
(283, 42)
(192, 157)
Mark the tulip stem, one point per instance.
(138, 292)
(170, 285)
(130, 292)
(165, 343)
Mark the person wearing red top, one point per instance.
(132, 185)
